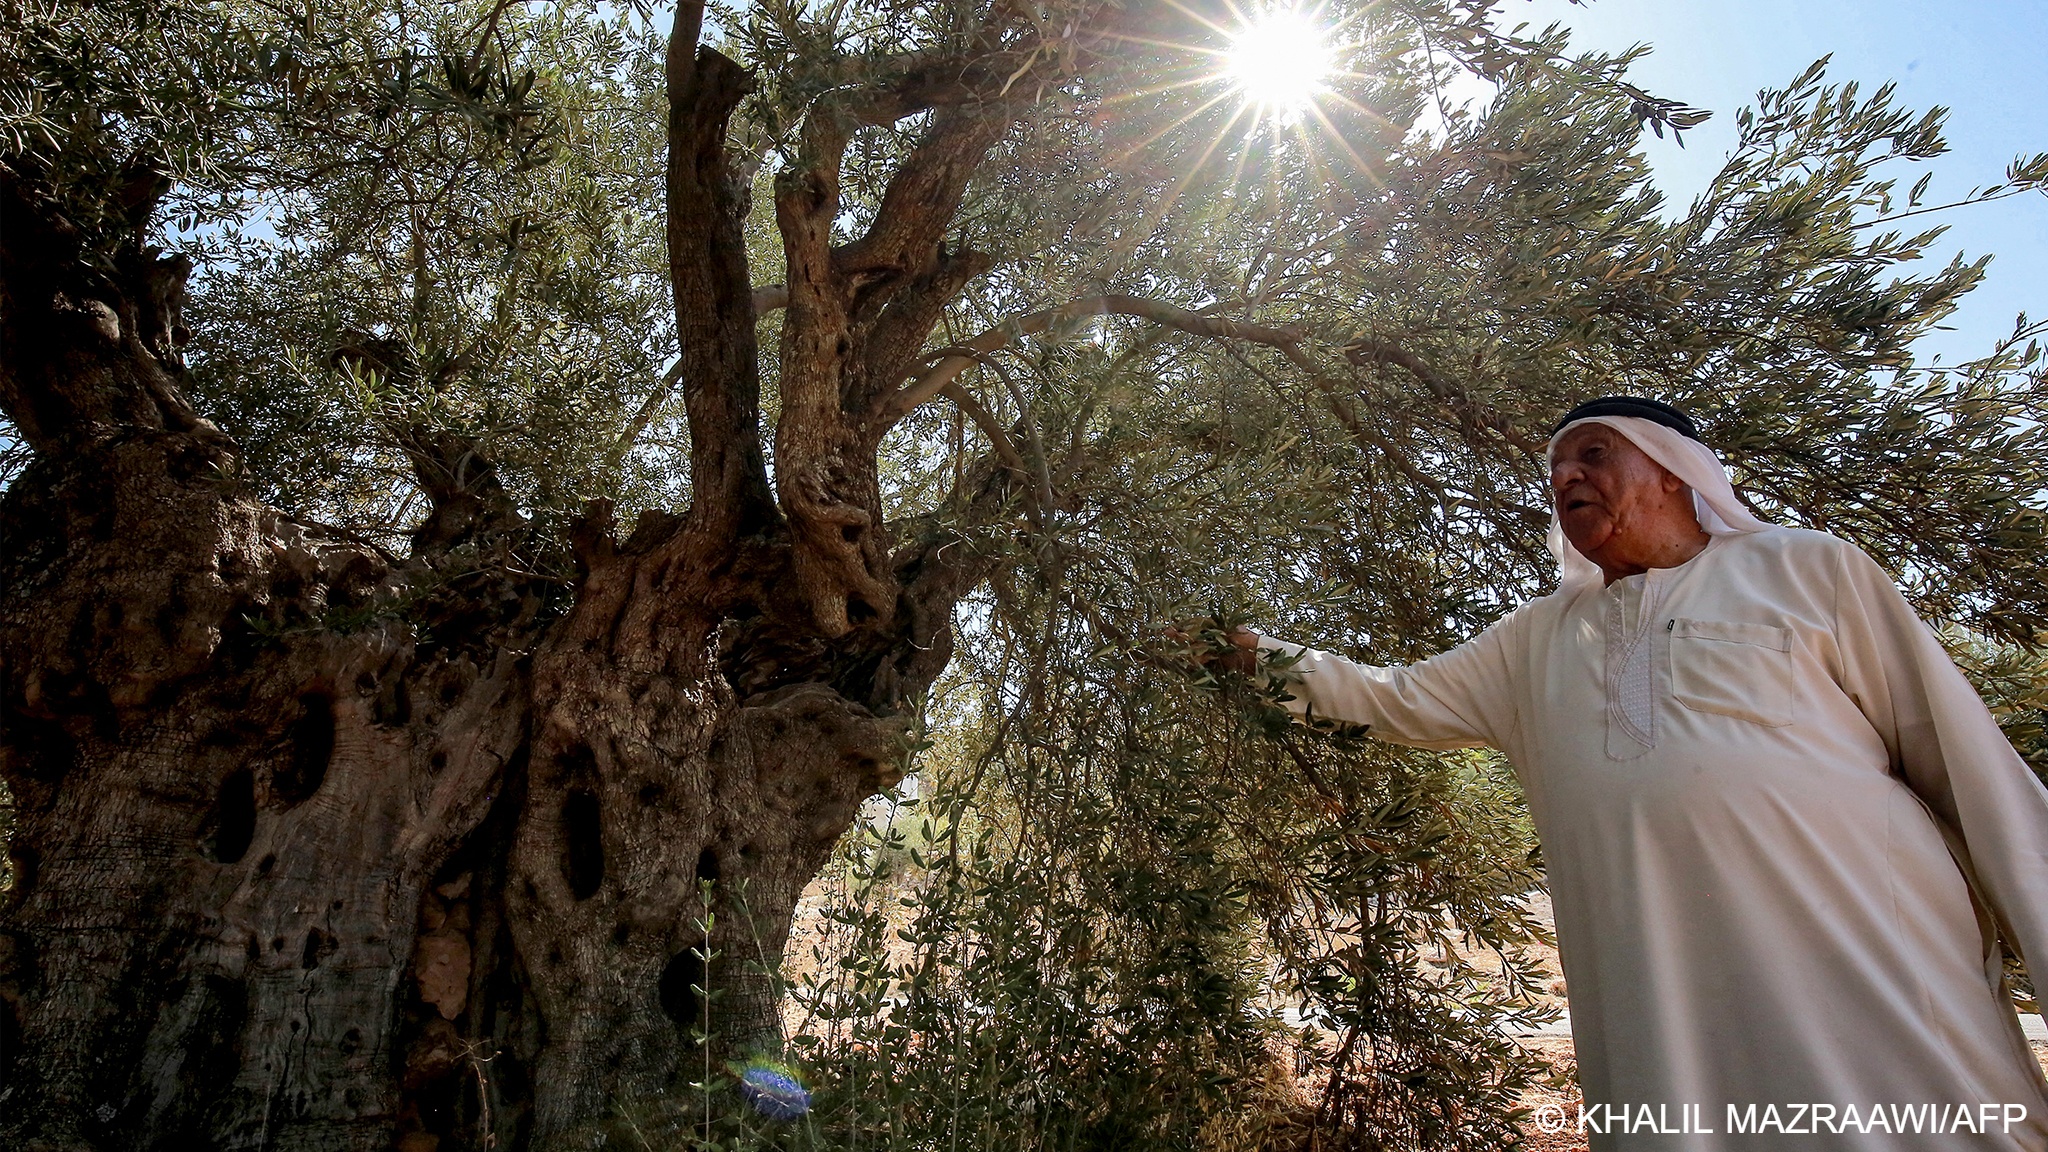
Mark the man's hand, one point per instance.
(1243, 656)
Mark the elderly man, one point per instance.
(1784, 835)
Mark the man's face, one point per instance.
(1607, 490)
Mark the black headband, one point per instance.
(1655, 411)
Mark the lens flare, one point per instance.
(1280, 61)
(774, 1090)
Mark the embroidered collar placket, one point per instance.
(1632, 605)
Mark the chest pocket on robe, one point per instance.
(1733, 669)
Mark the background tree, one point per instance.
(355, 740)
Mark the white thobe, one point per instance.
(1760, 784)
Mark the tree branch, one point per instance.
(989, 425)
(842, 331)
(932, 380)
(92, 345)
(824, 474)
(630, 435)
(895, 336)
(465, 497)
(713, 299)
(1340, 406)
(1471, 414)
(924, 192)
(881, 92)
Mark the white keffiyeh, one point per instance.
(1713, 496)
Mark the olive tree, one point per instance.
(481, 473)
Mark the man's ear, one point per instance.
(1670, 481)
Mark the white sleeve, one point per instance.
(1949, 750)
(1461, 699)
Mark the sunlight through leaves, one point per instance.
(1281, 61)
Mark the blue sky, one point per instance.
(1982, 59)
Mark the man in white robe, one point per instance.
(1783, 832)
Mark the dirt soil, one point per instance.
(1559, 1088)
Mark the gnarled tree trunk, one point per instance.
(324, 848)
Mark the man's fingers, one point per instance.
(1242, 656)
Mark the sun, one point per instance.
(1280, 61)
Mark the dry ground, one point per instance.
(1559, 1088)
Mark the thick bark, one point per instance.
(91, 343)
(714, 300)
(228, 805)
(650, 775)
(233, 775)
(321, 848)
(858, 314)
(288, 879)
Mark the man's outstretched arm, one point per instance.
(1463, 698)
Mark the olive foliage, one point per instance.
(1230, 365)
